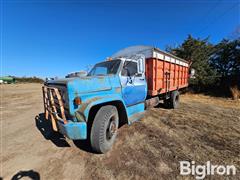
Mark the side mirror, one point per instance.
(141, 65)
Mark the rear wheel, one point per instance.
(104, 129)
(166, 103)
(173, 101)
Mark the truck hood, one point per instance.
(85, 84)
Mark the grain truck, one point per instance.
(116, 91)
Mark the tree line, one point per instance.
(33, 79)
(217, 66)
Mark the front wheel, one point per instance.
(104, 129)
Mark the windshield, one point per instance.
(105, 68)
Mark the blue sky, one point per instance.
(49, 38)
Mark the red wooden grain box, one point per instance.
(165, 72)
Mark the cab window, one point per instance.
(129, 68)
(105, 68)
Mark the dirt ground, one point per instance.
(203, 129)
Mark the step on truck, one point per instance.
(114, 92)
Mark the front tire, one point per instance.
(104, 129)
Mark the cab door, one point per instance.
(134, 86)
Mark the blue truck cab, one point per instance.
(94, 106)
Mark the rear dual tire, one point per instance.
(173, 101)
(104, 129)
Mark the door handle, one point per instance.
(142, 79)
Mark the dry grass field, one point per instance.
(202, 129)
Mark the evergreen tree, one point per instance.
(198, 51)
(226, 58)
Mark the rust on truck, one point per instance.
(80, 112)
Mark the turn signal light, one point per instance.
(77, 101)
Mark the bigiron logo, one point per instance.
(201, 171)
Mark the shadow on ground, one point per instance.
(83, 145)
(45, 127)
(23, 174)
(161, 105)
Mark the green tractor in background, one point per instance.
(7, 80)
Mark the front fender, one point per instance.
(82, 113)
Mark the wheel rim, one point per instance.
(111, 129)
